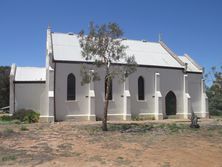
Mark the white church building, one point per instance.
(164, 85)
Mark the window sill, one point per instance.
(109, 100)
(141, 101)
(71, 101)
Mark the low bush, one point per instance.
(27, 116)
(6, 118)
(215, 112)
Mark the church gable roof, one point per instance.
(30, 74)
(66, 48)
(192, 66)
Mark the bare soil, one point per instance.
(169, 143)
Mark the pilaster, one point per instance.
(91, 102)
(186, 98)
(12, 89)
(204, 101)
(126, 100)
(157, 98)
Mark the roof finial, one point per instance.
(160, 37)
(49, 27)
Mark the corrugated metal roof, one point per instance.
(66, 48)
(30, 74)
(190, 65)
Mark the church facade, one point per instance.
(164, 85)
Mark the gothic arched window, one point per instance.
(71, 87)
(141, 88)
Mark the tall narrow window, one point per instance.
(110, 96)
(140, 88)
(71, 87)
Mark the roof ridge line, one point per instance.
(127, 39)
(30, 67)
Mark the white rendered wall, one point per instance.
(170, 80)
(30, 96)
(116, 104)
(79, 107)
(72, 107)
(195, 92)
(146, 105)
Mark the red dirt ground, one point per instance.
(169, 143)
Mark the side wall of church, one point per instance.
(30, 96)
(197, 93)
(170, 80)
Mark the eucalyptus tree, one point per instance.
(214, 91)
(103, 47)
(4, 86)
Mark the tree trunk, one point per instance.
(104, 123)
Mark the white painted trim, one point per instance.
(141, 101)
(201, 112)
(46, 116)
(119, 114)
(80, 115)
(183, 113)
(148, 114)
(50, 93)
(72, 101)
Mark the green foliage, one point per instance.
(214, 92)
(9, 158)
(4, 86)
(104, 48)
(27, 116)
(6, 118)
(175, 127)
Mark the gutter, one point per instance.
(118, 64)
(29, 82)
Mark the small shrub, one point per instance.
(6, 118)
(27, 116)
(9, 158)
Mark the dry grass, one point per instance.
(147, 143)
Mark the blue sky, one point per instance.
(188, 26)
